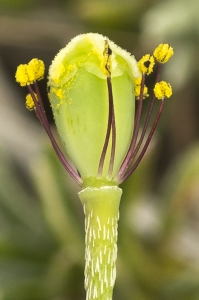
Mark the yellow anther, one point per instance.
(138, 80)
(22, 76)
(26, 74)
(138, 88)
(146, 64)
(137, 92)
(30, 105)
(163, 53)
(37, 68)
(162, 90)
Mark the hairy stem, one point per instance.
(101, 208)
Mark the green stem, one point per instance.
(101, 208)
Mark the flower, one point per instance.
(93, 85)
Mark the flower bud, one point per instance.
(80, 101)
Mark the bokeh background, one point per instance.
(41, 218)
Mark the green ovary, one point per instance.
(81, 116)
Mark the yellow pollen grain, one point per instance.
(70, 83)
(30, 105)
(21, 75)
(138, 80)
(137, 88)
(37, 68)
(59, 104)
(26, 74)
(137, 92)
(59, 93)
(58, 70)
(70, 67)
(162, 90)
(146, 64)
(163, 53)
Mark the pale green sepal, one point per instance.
(101, 208)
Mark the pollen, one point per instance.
(163, 53)
(162, 90)
(146, 64)
(138, 89)
(138, 80)
(30, 105)
(26, 74)
(59, 93)
(137, 92)
(22, 75)
(37, 67)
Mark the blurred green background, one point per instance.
(41, 218)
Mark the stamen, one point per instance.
(146, 123)
(111, 116)
(40, 101)
(30, 105)
(107, 65)
(163, 53)
(125, 163)
(132, 169)
(26, 74)
(143, 131)
(29, 74)
(138, 89)
(111, 163)
(40, 112)
(111, 125)
(22, 75)
(146, 64)
(162, 90)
